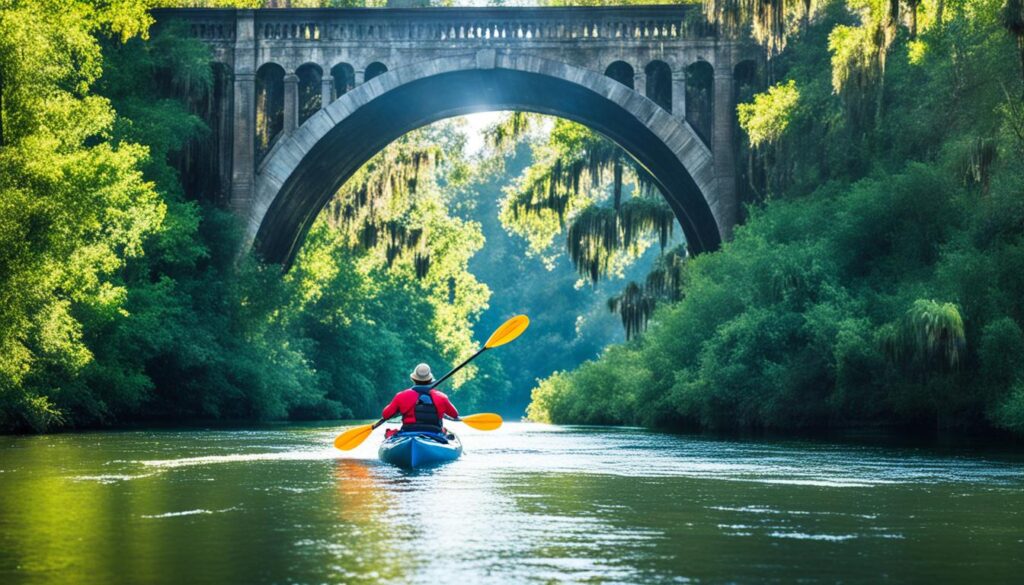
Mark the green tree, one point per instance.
(74, 205)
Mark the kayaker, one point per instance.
(422, 408)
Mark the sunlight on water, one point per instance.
(527, 503)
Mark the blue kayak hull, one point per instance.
(413, 451)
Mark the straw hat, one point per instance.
(422, 374)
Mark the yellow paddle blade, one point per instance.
(485, 421)
(508, 331)
(352, 438)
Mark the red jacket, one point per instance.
(405, 402)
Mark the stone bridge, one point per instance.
(304, 97)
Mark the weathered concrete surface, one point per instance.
(447, 62)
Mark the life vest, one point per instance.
(425, 410)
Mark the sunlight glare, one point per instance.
(475, 127)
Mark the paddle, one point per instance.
(508, 331)
(352, 438)
(485, 421)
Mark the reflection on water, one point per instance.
(527, 503)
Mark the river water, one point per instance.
(525, 504)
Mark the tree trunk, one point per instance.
(617, 184)
(1020, 47)
(913, 18)
(880, 98)
(750, 174)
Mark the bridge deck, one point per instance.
(479, 25)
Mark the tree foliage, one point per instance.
(765, 119)
(877, 281)
(121, 297)
(74, 207)
(576, 184)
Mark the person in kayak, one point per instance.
(423, 409)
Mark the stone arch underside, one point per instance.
(306, 168)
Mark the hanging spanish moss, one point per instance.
(572, 171)
(503, 136)
(769, 21)
(859, 55)
(635, 307)
(421, 263)
(371, 209)
(190, 78)
(542, 193)
(594, 159)
(978, 168)
(636, 303)
(729, 16)
(384, 184)
(598, 232)
(368, 236)
(399, 238)
(665, 281)
(592, 239)
(646, 215)
(770, 24)
(391, 253)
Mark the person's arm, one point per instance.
(391, 409)
(449, 408)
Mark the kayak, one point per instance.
(419, 449)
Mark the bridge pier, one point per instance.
(291, 103)
(326, 91)
(722, 144)
(679, 93)
(640, 81)
(243, 135)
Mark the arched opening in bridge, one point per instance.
(269, 106)
(659, 84)
(344, 78)
(303, 175)
(700, 103)
(745, 81)
(402, 240)
(622, 72)
(373, 70)
(310, 85)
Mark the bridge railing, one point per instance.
(208, 24)
(455, 25)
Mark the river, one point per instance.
(526, 504)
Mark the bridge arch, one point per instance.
(306, 168)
